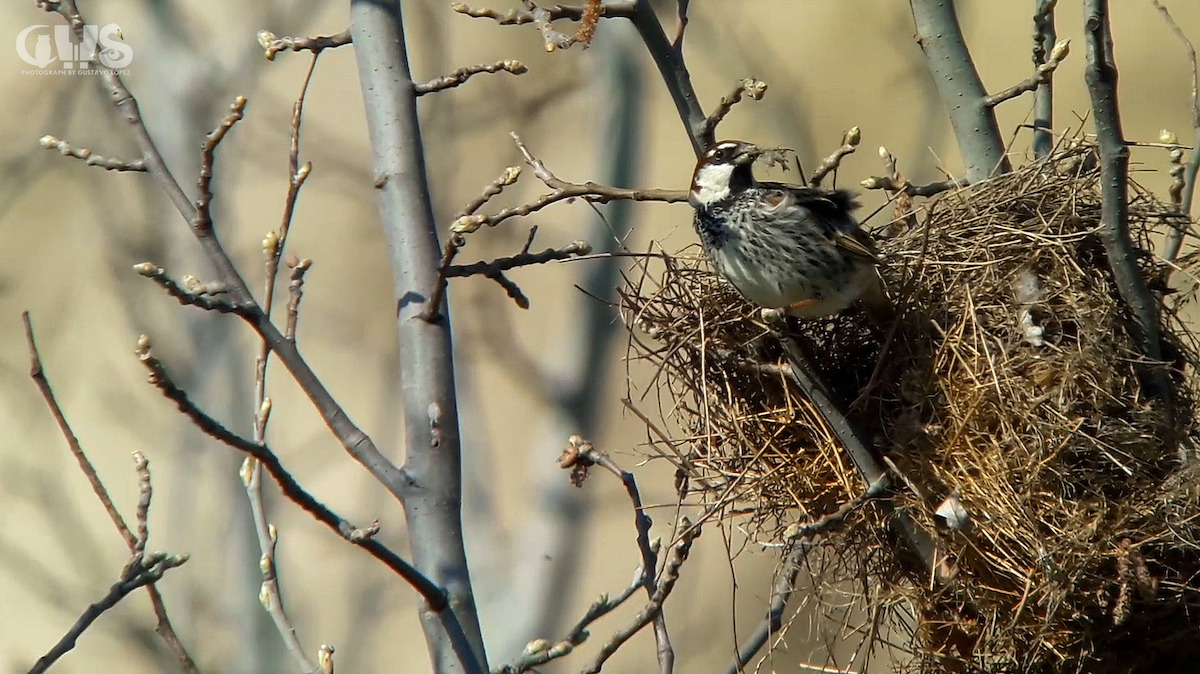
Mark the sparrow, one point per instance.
(797, 250)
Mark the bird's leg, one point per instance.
(796, 306)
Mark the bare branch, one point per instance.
(653, 609)
(204, 296)
(753, 88)
(1187, 191)
(496, 268)
(273, 44)
(139, 572)
(91, 158)
(1044, 38)
(463, 74)
(431, 491)
(519, 17)
(579, 454)
(961, 90)
(888, 184)
(1041, 76)
(539, 652)
(135, 543)
(434, 595)
(1101, 77)
(850, 141)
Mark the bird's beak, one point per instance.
(746, 157)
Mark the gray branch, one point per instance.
(1101, 77)
(432, 493)
(1044, 37)
(960, 88)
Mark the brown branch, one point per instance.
(461, 75)
(850, 141)
(456, 240)
(1042, 75)
(540, 652)
(520, 17)
(653, 609)
(135, 543)
(561, 190)
(496, 268)
(299, 267)
(203, 297)
(90, 158)
(141, 571)
(578, 456)
(888, 184)
(1101, 77)
(273, 44)
(753, 88)
(159, 378)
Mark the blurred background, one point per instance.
(541, 550)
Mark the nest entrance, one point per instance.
(1012, 380)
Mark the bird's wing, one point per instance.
(832, 209)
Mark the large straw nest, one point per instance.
(1012, 379)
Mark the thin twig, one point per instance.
(540, 652)
(251, 473)
(751, 87)
(159, 378)
(273, 44)
(461, 75)
(582, 450)
(91, 158)
(1188, 191)
(850, 141)
(1042, 75)
(139, 572)
(653, 608)
(135, 543)
(887, 184)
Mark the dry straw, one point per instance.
(1012, 379)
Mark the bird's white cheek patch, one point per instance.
(712, 183)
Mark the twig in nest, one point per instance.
(746, 87)
(461, 75)
(90, 158)
(273, 44)
(1042, 75)
(850, 141)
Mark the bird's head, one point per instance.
(722, 172)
